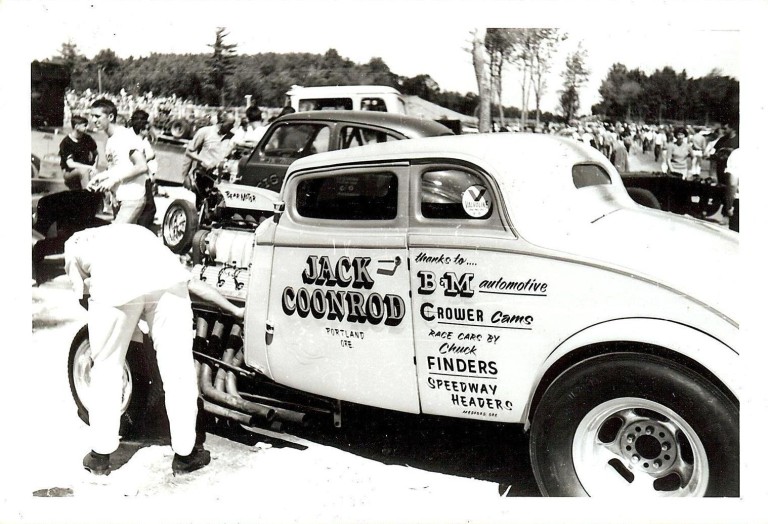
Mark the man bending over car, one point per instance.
(127, 274)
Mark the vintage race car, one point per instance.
(506, 278)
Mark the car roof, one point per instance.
(409, 126)
(523, 164)
(522, 149)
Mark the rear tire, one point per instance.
(635, 425)
(644, 197)
(179, 226)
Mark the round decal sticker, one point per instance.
(476, 201)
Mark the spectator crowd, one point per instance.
(698, 153)
(694, 153)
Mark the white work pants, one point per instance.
(169, 316)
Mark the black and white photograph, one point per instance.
(352, 262)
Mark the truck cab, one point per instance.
(350, 98)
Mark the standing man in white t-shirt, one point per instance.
(126, 173)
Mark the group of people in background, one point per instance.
(689, 153)
(162, 109)
(678, 151)
(130, 157)
(128, 180)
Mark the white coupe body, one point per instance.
(462, 310)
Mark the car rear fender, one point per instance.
(703, 352)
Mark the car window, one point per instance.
(355, 136)
(454, 194)
(298, 140)
(369, 196)
(585, 175)
(373, 104)
(322, 104)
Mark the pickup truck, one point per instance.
(507, 278)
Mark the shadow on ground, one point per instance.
(474, 449)
(486, 451)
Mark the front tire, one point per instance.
(179, 226)
(635, 425)
(136, 381)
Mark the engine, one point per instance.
(223, 260)
(222, 254)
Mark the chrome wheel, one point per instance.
(179, 225)
(174, 226)
(637, 447)
(81, 378)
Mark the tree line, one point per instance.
(666, 95)
(662, 97)
(225, 77)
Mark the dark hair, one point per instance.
(287, 110)
(681, 130)
(139, 120)
(253, 113)
(107, 105)
(224, 113)
(77, 119)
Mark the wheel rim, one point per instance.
(81, 374)
(175, 226)
(633, 446)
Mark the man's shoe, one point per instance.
(199, 458)
(97, 463)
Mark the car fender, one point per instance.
(717, 356)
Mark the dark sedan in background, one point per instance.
(305, 133)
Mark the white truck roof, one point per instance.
(330, 91)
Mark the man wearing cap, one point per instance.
(124, 274)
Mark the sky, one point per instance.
(412, 37)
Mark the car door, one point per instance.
(338, 300)
(281, 145)
(470, 344)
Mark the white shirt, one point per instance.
(120, 262)
(118, 151)
(149, 156)
(249, 136)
